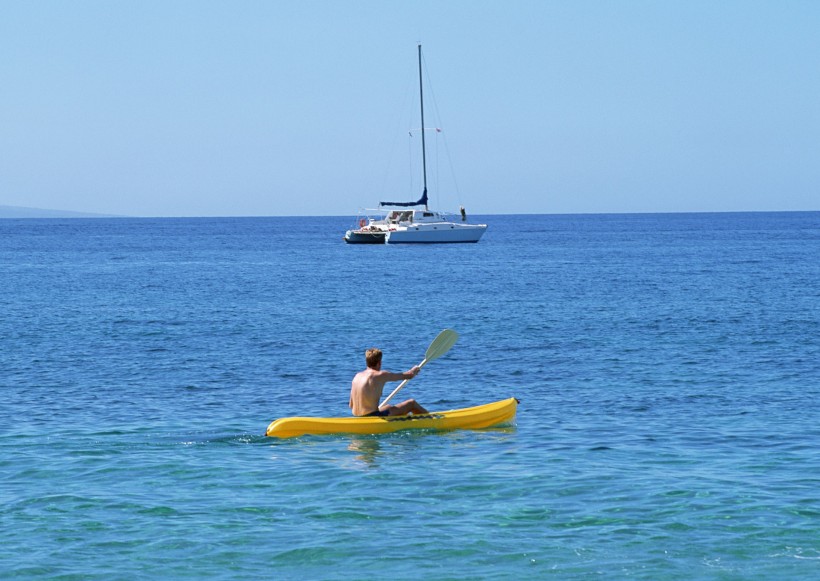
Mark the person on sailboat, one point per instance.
(366, 389)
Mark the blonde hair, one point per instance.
(373, 357)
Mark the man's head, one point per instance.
(373, 357)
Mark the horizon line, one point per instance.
(73, 215)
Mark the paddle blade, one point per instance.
(441, 344)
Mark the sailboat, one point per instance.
(407, 222)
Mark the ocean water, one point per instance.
(668, 368)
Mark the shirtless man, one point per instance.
(367, 386)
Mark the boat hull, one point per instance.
(483, 416)
(365, 237)
(437, 234)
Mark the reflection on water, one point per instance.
(368, 449)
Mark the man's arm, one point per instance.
(409, 374)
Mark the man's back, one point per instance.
(366, 390)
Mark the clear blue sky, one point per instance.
(302, 107)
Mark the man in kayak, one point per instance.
(367, 386)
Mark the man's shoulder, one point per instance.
(366, 374)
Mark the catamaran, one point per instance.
(406, 223)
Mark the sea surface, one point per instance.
(668, 368)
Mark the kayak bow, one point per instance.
(482, 416)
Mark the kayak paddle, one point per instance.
(440, 345)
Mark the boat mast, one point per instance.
(423, 148)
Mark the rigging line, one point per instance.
(438, 170)
(404, 107)
(438, 124)
(411, 174)
(452, 169)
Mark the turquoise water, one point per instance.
(668, 367)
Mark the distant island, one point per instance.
(23, 212)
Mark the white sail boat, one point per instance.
(406, 223)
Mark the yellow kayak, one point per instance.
(482, 416)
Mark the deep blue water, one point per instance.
(668, 367)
